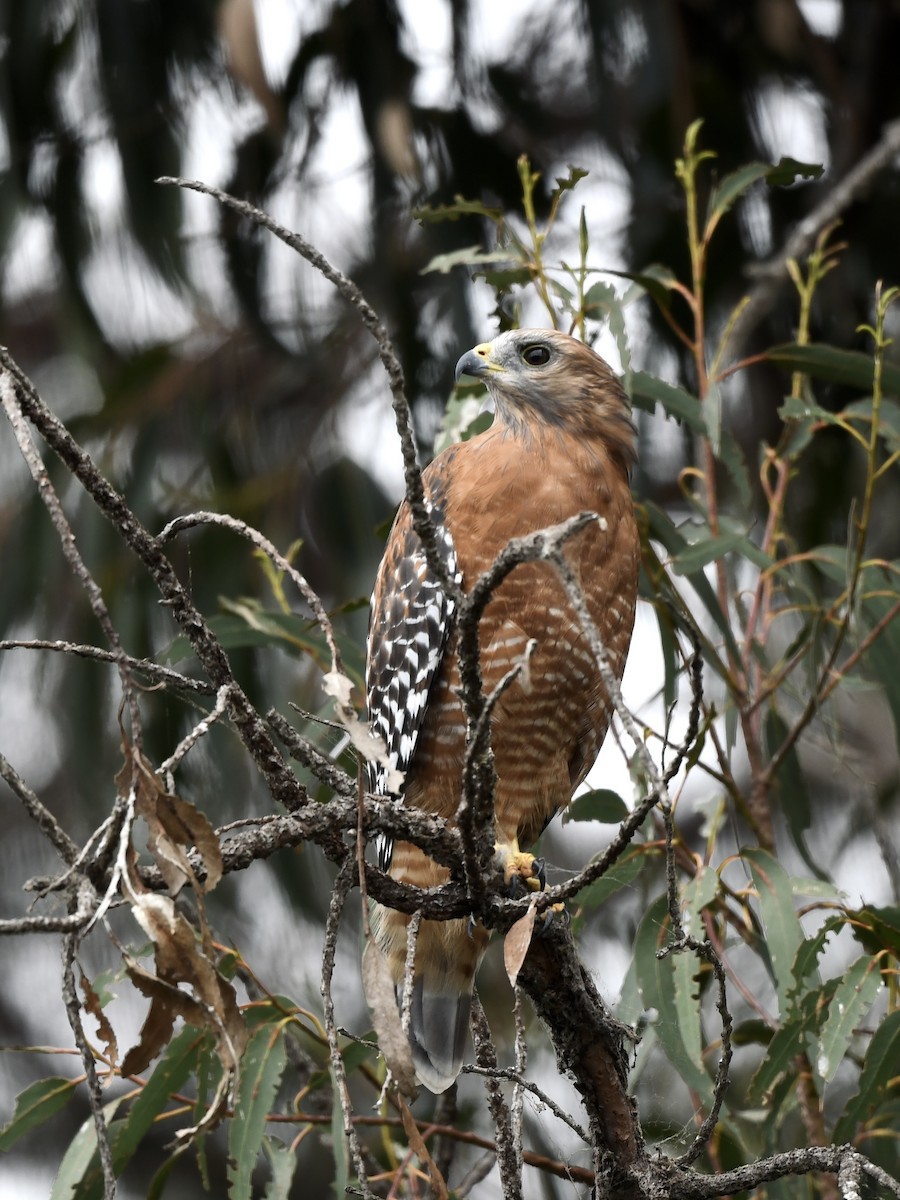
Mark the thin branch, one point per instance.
(415, 494)
(15, 415)
(95, 1094)
(508, 1151)
(200, 730)
(145, 666)
(39, 813)
(279, 777)
(342, 886)
(192, 520)
(520, 1079)
(705, 951)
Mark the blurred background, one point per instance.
(206, 366)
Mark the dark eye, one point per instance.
(536, 356)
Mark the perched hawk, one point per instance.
(561, 443)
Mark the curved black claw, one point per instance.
(539, 871)
(549, 916)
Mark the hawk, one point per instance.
(561, 443)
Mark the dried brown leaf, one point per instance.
(516, 943)
(173, 824)
(180, 959)
(104, 1029)
(381, 996)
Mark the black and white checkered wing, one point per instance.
(410, 622)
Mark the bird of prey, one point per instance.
(561, 443)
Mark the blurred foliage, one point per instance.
(203, 372)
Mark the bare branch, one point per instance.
(341, 890)
(143, 666)
(415, 493)
(95, 1095)
(192, 520)
(77, 565)
(508, 1151)
(200, 730)
(520, 1079)
(279, 777)
(39, 813)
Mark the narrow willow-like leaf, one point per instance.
(262, 1066)
(837, 366)
(784, 934)
(877, 1080)
(284, 1164)
(36, 1105)
(80, 1155)
(657, 981)
(853, 998)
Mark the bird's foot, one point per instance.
(549, 917)
(522, 872)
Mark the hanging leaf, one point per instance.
(262, 1066)
(850, 367)
(854, 996)
(516, 943)
(34, 1106)
(784, 934)
(598, 805)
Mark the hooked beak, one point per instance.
(476, 362)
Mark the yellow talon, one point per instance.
(520, 867)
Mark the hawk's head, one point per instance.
(544, 377)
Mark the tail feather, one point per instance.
(439, 1022)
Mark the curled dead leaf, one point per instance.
(381, 996)
(173, 824)
(367, 744)
(516, 943)
(181, 959)
(104, 1029)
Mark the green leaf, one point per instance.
(180, 1059)
(430, 214)
(663, 530)
(854, 996)
(657, 982)
(566, 183)
(36, 1105)
(731, 456)
(464, 417)
(262, 1066)
(784, 934)
(657, 280)
(878, 929)
(284, 1164)
(623, 873)
(787, 170)
(599, 805)
(850, 367)
(647, 391)
(80, 1155)
(791, 783)
(707, 549)
(788, 1041)
(468, 256)
(733, 186)
(878, 1079)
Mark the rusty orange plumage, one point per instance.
(562, 443)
